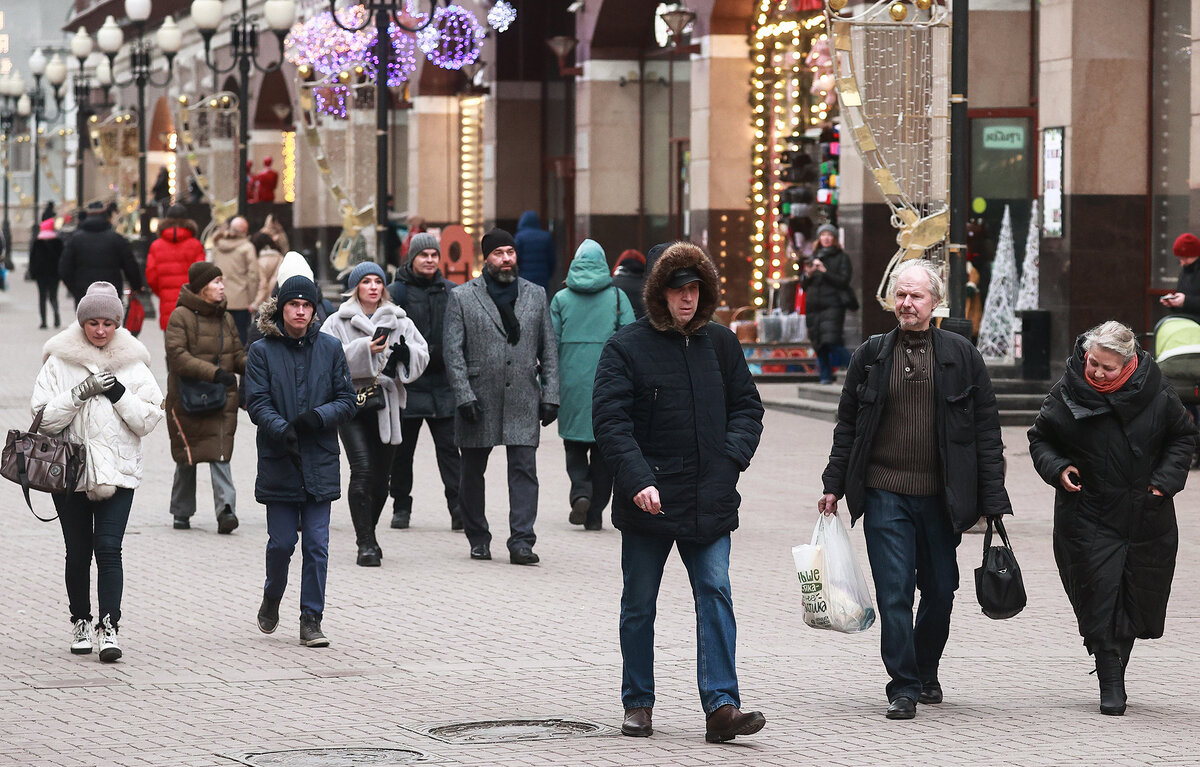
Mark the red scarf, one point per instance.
(1108, 387)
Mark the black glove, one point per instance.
(291, 443)
(470, 412)
(549, 413)
(115, 392)
(307, 422)
(400, 355)
(225, 377)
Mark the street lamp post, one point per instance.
(279, 15)
(11, 88)
(110, 38)
(81, 48)
(33, 104)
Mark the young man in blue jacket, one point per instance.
(297, 392)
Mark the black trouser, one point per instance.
(590, 477)
(522, 495)
(370, 463)
(94, 527)
(241, 321)
(448, 462)
(48, 292)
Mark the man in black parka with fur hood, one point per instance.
(678, 418)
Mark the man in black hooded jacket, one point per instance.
(96, 253)
(678, 418)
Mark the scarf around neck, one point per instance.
(1108, 387)
(504, 295)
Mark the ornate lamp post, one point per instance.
(81, 48)
(11, 88)
(110, 38)
(279, 15)
(33, 104)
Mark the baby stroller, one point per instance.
(1177, 352)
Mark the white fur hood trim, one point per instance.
(71, 345)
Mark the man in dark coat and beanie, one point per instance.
(918, 455)
(535, 251)
(423, 292)
(502, 363)
(298, 392)
(96, 253)
(678, 418)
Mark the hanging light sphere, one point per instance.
(453, 38)
(898, 11)
(502, 15)
(837, 5)
(924, 5)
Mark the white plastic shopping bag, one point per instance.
(832, 584)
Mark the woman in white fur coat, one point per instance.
(96, 387)
(392, 360)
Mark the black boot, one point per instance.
(310, 631)
(1126, 651)
(1111, 674)
(268, 614)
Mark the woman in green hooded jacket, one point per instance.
(585, 316)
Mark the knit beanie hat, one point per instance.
(46, 230)
(422, 241)
(292, 264)
(827, 228)
(364, 270)
(100, 302)
(496, 238)
(1187, 245)
(200, 274)
(298, 287)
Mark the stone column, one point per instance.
(433, 159)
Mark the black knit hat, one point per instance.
(200, 274)
(298, 287)
(496, 238)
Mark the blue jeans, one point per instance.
(911, 544)
(282, 520)
(642, 561)
(94, 528)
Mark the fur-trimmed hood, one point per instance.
(266, 320)
(71, 345)
(680, 255)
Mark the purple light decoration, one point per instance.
(453, 39)
(330, 50)
(331, 100)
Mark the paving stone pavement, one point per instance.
(433, 638)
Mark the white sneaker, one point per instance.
(109, 650)
(83, 636)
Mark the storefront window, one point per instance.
(1170, 143)
(1003, 153)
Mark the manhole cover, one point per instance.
(504, 730)
(329, 757)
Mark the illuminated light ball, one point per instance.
(979, 205)
(924, 5)
(458, 35)
(837, 5)
(898, 11)
(502, 15)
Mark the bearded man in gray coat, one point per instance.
(502, 362)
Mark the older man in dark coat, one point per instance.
(678, 418)
(502, 362)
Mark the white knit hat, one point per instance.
(293, 264)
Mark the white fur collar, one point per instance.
(71, 345)
(388, 315)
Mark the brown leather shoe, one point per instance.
(637, 723)
(727, 722)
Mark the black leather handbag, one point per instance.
(39, 462)
(998, 583)
(198, 397)
(370, 397)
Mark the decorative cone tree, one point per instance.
(999, 311)
(1028, 297)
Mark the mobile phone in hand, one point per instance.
(379, 333)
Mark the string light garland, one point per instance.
(330, 50)
(453, 39)
(502, 15)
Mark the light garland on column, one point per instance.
(470, 162)
(288, 139)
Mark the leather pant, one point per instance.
(370, 469)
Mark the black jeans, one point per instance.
(94, 527)
(48, 293)
(522, 495)
(448, 461)
(241, 320)
(590, 477)
(370, 465)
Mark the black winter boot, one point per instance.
(1111, 674)
(310, 631)
(268, 614)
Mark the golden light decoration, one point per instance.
(471, 162)
(289, 166)
(898, 11)
(924, 5)
(837, 5)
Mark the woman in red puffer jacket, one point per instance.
(171, 254)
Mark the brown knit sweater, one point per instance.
(904, 456)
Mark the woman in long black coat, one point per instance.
(826, 284)
(1115, 441)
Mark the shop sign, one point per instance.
(1008, 138)
(1052, 182)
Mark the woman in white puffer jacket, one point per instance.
(96, 387)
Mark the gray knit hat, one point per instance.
(422, 241)
(827, 228)
(360, 272)
(100, 302)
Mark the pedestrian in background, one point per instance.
(273, 229)
(585, 316)
(202, 344)
(502, 363)
(630, 276)
(269, 259)
(918, 455)
(826, 281)
(1115, 442)
(535, 251)
(423, 292)
(678, 418)
(235, 254)
(44, 256)
(96, 388)
(298, 392)
(170, 257)
(384, 349)
(96, 253)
